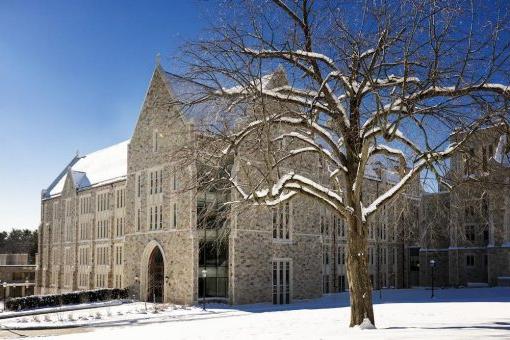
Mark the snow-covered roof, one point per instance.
(100, 167)
(502, 156)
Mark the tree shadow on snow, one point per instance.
(339, 300)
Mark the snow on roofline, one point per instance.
(104, 166)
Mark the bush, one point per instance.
(72, 298)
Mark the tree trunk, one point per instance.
(360, 287)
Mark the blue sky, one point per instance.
(73, 75)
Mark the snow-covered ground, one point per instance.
(476, 313)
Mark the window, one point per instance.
(103, 202)
(138, 185)
(341, 255)
(281, 222)
(470, 232)
(156, 217)
(341, 283)
(175, 215)
(155, 141)
(119, 228)
(118, 280)
(156, 182)
(281, 281)
(325, 284)
(340, 225)
(325, 255)
(120, 195)
(470, 260)
(103, 229)
(138, 220)
(118, 255)
(213, 257)
(85, 205)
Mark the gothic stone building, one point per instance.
(466, 230)
(124, 216)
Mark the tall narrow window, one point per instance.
(138, 221)
(281, 282)
(155, 141)
(139, 186)
(160, 217)
(175, 215)
(152, 183)
(160, 181)
(281, 217)
(156, 184)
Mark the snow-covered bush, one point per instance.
(40, 301)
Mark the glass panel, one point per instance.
(222, 287)
(211, 287)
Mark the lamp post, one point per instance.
(26, 287)
(432, 265)
(4, 285)
(204, 275)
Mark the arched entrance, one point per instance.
(155, 276)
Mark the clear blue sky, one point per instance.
(73, 75)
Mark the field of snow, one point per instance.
(471, 313)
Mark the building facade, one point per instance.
(130, 216)
(466, 229)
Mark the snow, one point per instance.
(470, 313)
(366, 324)
(99, 167)
(500, 155)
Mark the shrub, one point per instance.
(72, 298)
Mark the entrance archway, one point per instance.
(155, 276)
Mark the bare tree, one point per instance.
(354, 81)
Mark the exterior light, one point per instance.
(432, 265)
(204, 275)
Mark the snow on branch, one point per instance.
(321, 150)
(425, 159)
(390, 132)
(297, 54)
(288, 96)
(453, 91)
(301, 122)
(381, 149)
(289, 185)
(390, 81)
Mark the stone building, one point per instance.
(466, 230)
(17, 275)
(130, 216)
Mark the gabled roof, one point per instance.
(194, 99)
(100, 167)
